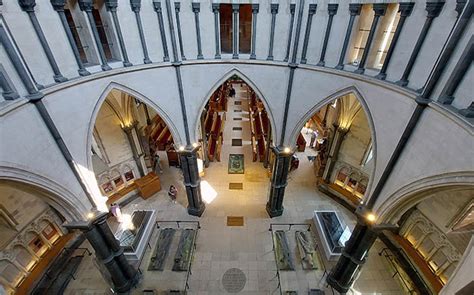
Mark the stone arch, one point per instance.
(54, 194)
(341, 92)
(413, 193)
(248, 81)
(114, 85)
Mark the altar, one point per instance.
(333, 231)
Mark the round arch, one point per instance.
(54, 194)
(248, 81)
(413, 193)
(114, 85)
(345, 91)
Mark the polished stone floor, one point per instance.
(249, 247)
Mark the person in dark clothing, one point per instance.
(231, 91)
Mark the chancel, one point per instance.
(221, 146)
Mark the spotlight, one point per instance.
(181, 148)
(287, 150)
(90, 215)
(195, 144)
(370, 217)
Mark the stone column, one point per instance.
(334, 151)
(192, 181)
(196, 9)
(20, 68)
(458, 73)
(87, 6)
(353, 257)
(290, 31)
(274, 11)
(268, 147)
(235, 30)
(136, 5)
(332, 10)
(405, 11)
(9, 92)
(433, 9)
(311, 12)
(58, 5)
(255, 8)
(354, 9)
(108, 252)
(28, 6)
(177, 8)
(130, 131)
(111, 6)
(281, 167)
(159, 13)
(215, 10)
(379, 9)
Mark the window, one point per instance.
(75, 34)
(368, 155)
(245, 28)
(226, 27)
(361, 34)
(383, 38)
(102, 34)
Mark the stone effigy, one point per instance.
(183, 255)
(157, 261)
(282, 251)
(308, 254)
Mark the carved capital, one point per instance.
(157, 6)
(434, 8)
(460, 6)
(379, 8)
(332, 9)
(177, 6)
(196, 7)
(86, 5)
(136, 5)
(292, 8)
(274, 8)
(111, 5)
(468, 112)
(255, 8)
(312, 8)
(215, 7)
(27, 5)
(355, 8)
(235, 8)
(405, 8)
(58, 5)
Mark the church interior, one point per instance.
(247, 147)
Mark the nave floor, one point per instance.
(249, 247)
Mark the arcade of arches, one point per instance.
(214, 147)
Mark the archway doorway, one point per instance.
(133, 152)
(236, 135)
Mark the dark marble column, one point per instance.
(58, 5)
(136, 5)
(311, 12)
(353, 257)
(159, 13)
(9, 92)
(379, 9)
(254, 30)
(111, 6)
(87, 5)
(196, 9)
(405, 11)
(108, 252)
(433, 9)
(281, 167)
(192, 180)
(177, 9)
(332, 10)
(20, 68)
(290, 31)
(235, 30)
(336, 142)
(28, 6)
(129, 130)
(274, 11)
(215, 10)
(458, 73)
(354, 9)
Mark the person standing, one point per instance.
(158, 168)
(115, 210)
(173, 193)
(313, 139)
(231, 91)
